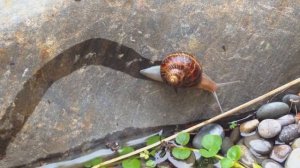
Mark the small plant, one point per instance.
(233, 125)
(233, 155)
(135, 161)
(93, 162)
(211, 147)
(132, 162)
(182, 153)
(212, 144)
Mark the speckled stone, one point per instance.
(269, 163)
(286, 120)
(272, 110)
(289, 133)
(280, 153)
(269, 128)
(259, 145)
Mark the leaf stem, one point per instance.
(236, 163)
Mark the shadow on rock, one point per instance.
(90, 52)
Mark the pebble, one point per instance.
(240, 142)
(269, 128)
(296, 143)
(226, 144)
(289, 133)
(272, 110)
(293, 161)
(286, 120)
(165, 165)
(280, 153)
(293, 101)
(214, 129)
(247, 158)
(235, 135)
(258, 145)
(268, 163)
(259, 157)
(249, 126)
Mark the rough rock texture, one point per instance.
(63, 84)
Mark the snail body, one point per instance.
(181, 70)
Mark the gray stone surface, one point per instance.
(52, 102)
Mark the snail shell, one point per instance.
(181, 70)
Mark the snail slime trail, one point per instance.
(217, 99)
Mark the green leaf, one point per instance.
(131, 163)
(255, 165)
(92, 162)
(207, 154)
(234, 153)
(125, 150)
(212, 142)
(153, 139)
(233, 125)
(181, 153)
(183, 138)
(150, 163)
(227, 163)
(153, 152)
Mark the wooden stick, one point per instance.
(226, 114)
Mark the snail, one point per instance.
(181, 70)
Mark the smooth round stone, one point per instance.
(269, 128)
(272, 110)
(249, 126)
(247, 158)
(286, 120)
(293, 101)
(243, 134)
(296, 143)
(289, 133)
(165, 164)
(240, 142)
(235, 135)
(280, 153)
(258, 145)
(214, 129)
(268, 163)
(226, 144)
(293, 161)
(259, 157)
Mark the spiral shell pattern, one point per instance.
(181, 70)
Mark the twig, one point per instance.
(226, 114)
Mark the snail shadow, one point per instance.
(90, 52)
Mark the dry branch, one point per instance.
(226, 114)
